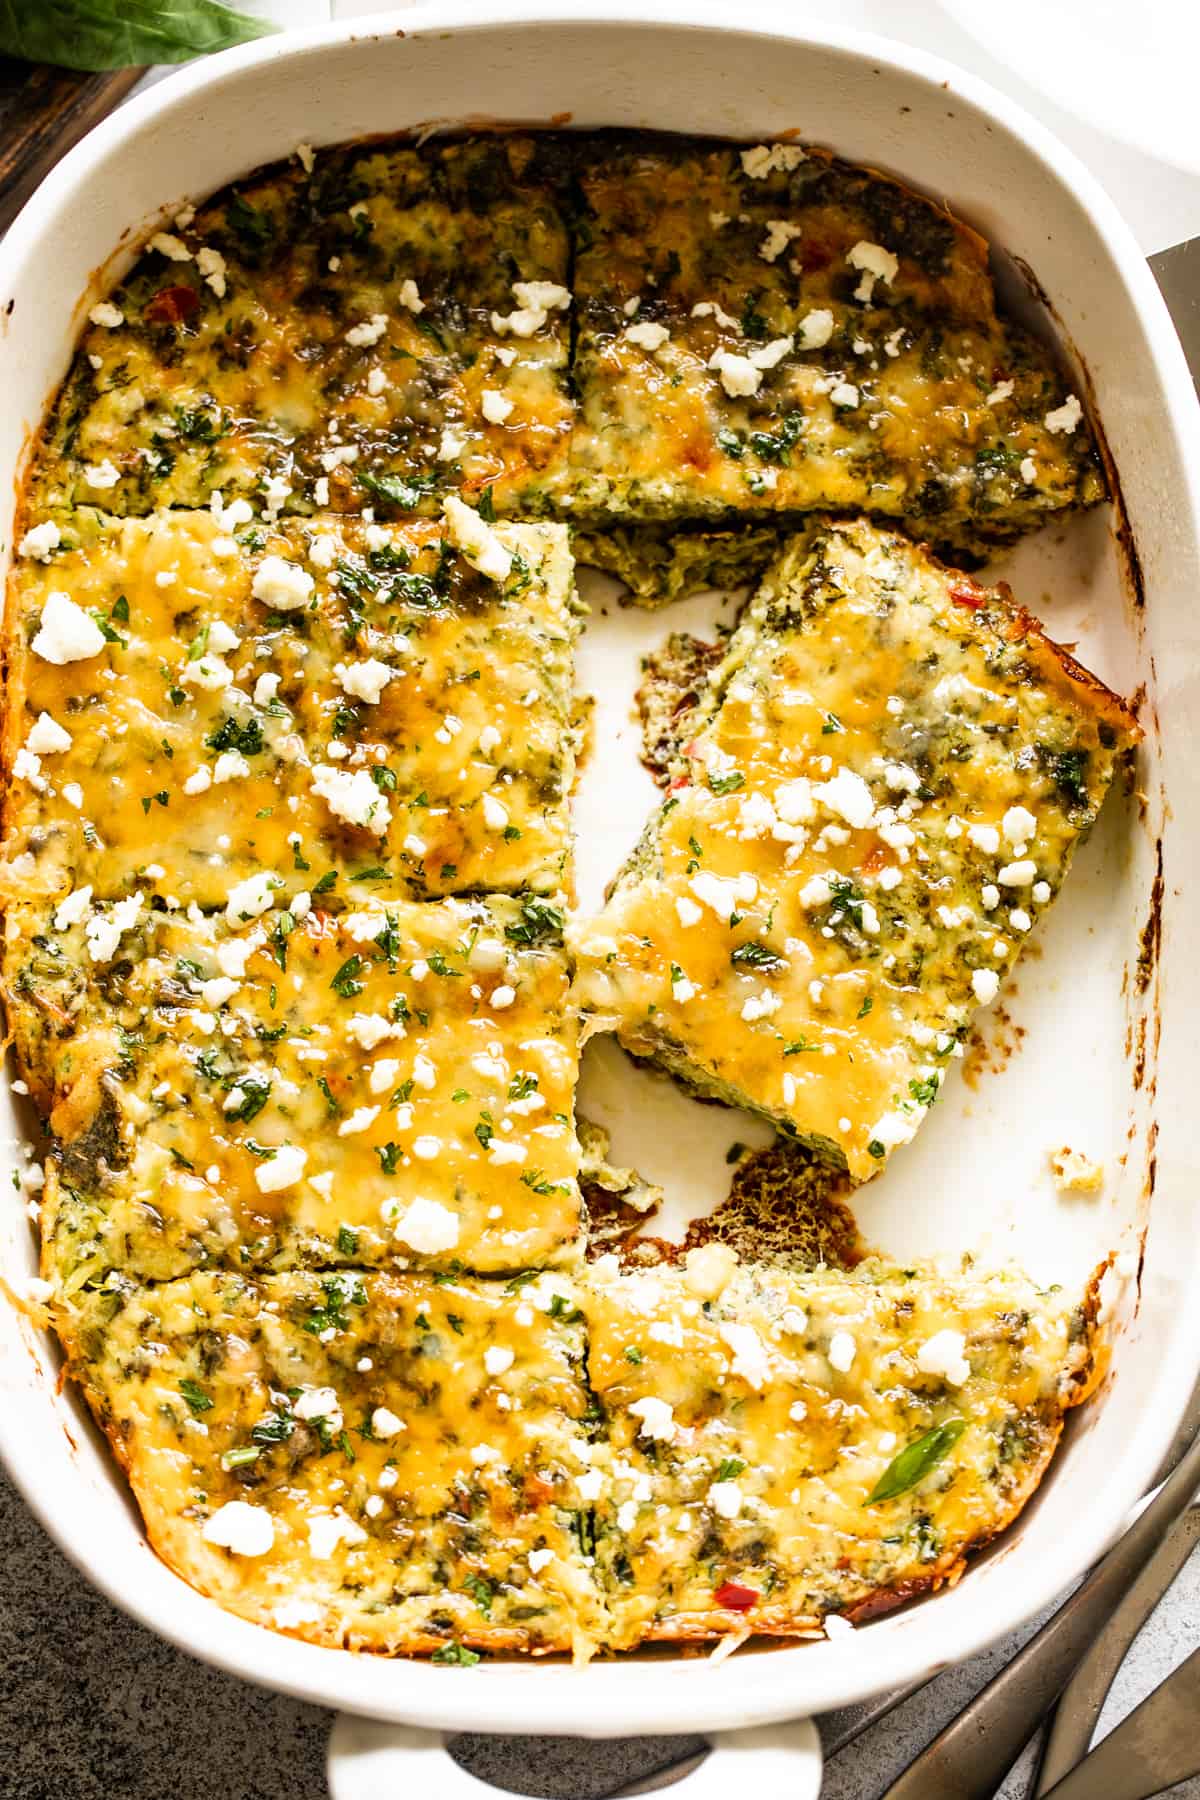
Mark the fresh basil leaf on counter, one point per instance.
(120, 34)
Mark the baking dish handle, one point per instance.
(370, 1760)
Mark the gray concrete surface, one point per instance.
(94, 1707)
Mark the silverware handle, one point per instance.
(1155, 1747)
(970, 1758)
(1079, 1710)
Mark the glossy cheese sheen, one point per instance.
(898, 393)
(748, 1430)
(206, 725)
(409, 1493)
(753, 331)
(881, 797)
(270, 368)
(391, 1087)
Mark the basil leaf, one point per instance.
(916, 1460)
(121, 34)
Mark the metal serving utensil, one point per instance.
(970, 1758)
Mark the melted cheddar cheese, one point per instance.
(880, 799)
(289, 745)
(392, 1086)
(776, 331)
(372, 1460)
(327, 338)
(360, 704)
(396, 1464)
(756, 1436)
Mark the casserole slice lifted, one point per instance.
(881, 795)
(768, 330)
(378, 1461)
(336, 336)
(388, 1087)
(789, 1446)
(195, 698)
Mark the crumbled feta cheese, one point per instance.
(363, 680)
(231, 765)
(709, 309)
(1017, 874)
(1041, 892)
(40, 541)
(246, 1530)
(723, 893)
(876, 263)
(725, 1498)
(760, 1006)
(71, 910)
(327, 1530)
(647, 335)
(1064, 418)
(815, 893)
(47, 737)
(106, 314)
(502, 997)
(687, 910)
(844, 393)
(475, 539)
(985, 984)
(780, 233)
(764, 159)
(369, 331)
(1002, 391)
(847, 795)
(211, 265)
(985, 838)
(495, 406)
(283, 1170)
(657, 1419)
(283, 586)
(353, 796)
(708, 1269)
(538, 1560)
(536, 300)
(428, 1227)
(495, 813)
(1019, 825)
(385, 1424)
(173, 248)
(1019, 919)
(815, 329)
(496, 1359)
(842, 1351)
(942, 1354)
(66, 633)
(383, 1073)
(104, 931)
(739, 377)
(370, 1029)
(249, 899)
(750, 1361)
(1029, 470)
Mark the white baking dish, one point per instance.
(977, 1174)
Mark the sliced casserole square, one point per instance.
(881, 796)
